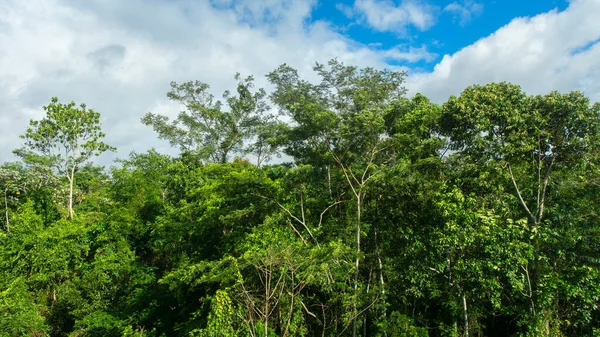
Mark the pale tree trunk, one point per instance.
(329, 181)
(71, 178)
(536, 217)
(450, 282)
(6, 209)
(356, 184)
(466, 314)
(381, 280)
(357, 263)
(267, 297)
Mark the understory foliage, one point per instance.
(386, 215)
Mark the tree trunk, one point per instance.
(381, 280)
(267, 297)
(357, 264)
(466, 314)
(6, 209)
(329, 182)
(71, 178)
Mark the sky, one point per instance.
(118, 57)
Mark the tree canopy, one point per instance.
(386, 215)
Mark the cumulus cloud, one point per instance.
(550, 51)
(118, 57)
(465, 11)
(387, 16)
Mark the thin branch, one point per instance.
(546, 180)
(512, 177)
(374, 151)
(302, 207)
(348, 179)
(308, 311)
(337, 159)
(295, 218)
(326, 209)
(360, 313)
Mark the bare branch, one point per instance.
(326, 209)
(512, 177)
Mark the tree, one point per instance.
(68, 136)
(529, 144)
(205, 128)
(19, 314)
(10, 179)
(340, 122)
(267, 141)
(16, 178)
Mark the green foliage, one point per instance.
(68, 135)
(66, 138)
(401, 326)
(19, 314)
(397, 216)
(223, 318)
(205, 128)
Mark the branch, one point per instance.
(512, 177)
(308, 311)
(543, 198)
(347, 177)
(295, 218)
(302, 207)
(374, 151)
(360, 313)
(326, 209)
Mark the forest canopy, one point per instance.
(385, 215)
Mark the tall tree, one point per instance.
(10, 181)
(15, 178)
(68, 136)
(531, 142)
(206, 127)
(340, 122)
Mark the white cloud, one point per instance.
(466, 11)
(387, 16)
(119, 56)
(411, 55)
(550, 51)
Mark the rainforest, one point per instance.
(335, 205)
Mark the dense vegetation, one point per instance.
(394, 216)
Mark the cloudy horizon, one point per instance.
(119, 57)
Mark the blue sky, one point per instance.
(119, 56)
(452, 29)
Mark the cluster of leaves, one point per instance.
(395, 217)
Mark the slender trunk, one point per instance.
(258, 158)
(450, 288)
(223, 159)
(289, 320)
(357, 264)
(324, 320)
(466, 314)
(366, 312)
(329, 181)
(6, 209)
(381, 281)
(71, 178)
(532, 310)
(266, 313)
